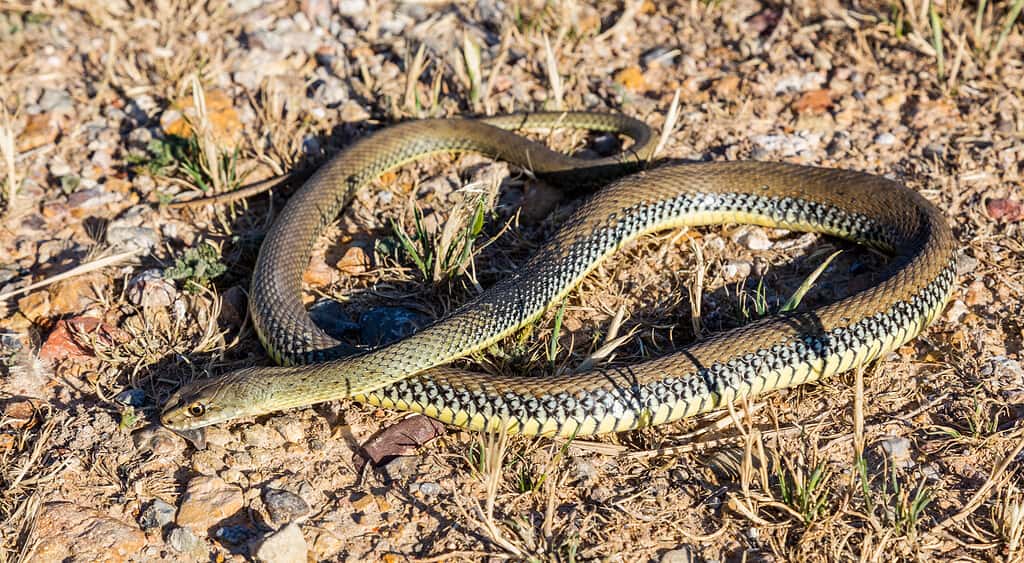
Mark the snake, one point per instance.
(638, 197)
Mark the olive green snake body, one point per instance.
(776, 352)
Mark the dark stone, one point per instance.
(131, 397)
(234, 535)
(384, 325)
(157, 515)
(331, 317)
(284, 506)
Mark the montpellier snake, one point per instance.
(776, 352)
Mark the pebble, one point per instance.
(956, 311)
(840, 144)
(659, 55)
(286, 545)
(800, 82)
(131, 397)
(53, 100)
(885, 139)
(400, 469)
(285, 506)
(245, 6)
(67, 531)
(140, 109)
(358, 258)
(150, 290)
(157, 515)
(158, 440)
(897, 448)
(332, 318)
(139, 138)
(124, 239)
(310, 145)
(934, 150)
(679, 555)
(751, 238)
(10, 342)
(606, 145)
(1007, 375)
(59, 168)
(41, 129)
(787, 145)
(330, 92)
(184, 540)
(966, 264)
(351, 112)
(736, 269)
(233, 535)
(427, 489)
(208, 500)
(349, 8)
(35, 306)
(90, 199)
(259, 436)
(384, 325)
(292, 430)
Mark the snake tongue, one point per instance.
(196, 437)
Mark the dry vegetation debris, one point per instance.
(110, 110)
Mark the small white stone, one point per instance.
(885, 139)
(286, 545)
(897, 448)
(752, 238)
(736, 269)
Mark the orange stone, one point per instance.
(632, 79)
(40, 130)
(815, 101)
(225, 125)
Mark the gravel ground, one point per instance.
(112, 299)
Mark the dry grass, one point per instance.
(7, 155)
(800, 475)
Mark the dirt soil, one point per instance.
(112, 298)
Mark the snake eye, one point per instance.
(197, 409)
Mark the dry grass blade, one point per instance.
(612, 341)
(499, 63)
(671, 119)
(471, 58)
(414, 69)
(858, 414)
(696, 289)
(204, 135)
(936, 24)
(1011, 18)
(798, 295)
(982, 493)
(8, 153)
(554, 77)
(492, 447)
(1008, 521)
(76, 271)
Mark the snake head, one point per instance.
(209, 401)
(191, 407)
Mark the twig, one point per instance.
(76, 271)
(670, 125)
(982, 493)
(250, 190)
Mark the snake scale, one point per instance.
(773, 353)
